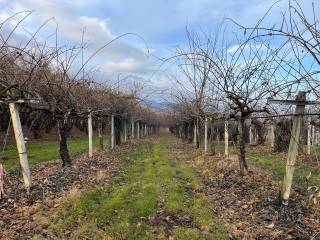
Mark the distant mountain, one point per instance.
(159, 106)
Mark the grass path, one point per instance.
(156, 196)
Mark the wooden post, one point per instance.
(195, 135)
(112, 132)
(90, 134)
(206, 134)
(125, 131)
(132, 127)
(138, 130)
(226, 138)
(21, 147)
(293, 149)
(309, 136)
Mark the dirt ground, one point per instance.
(248, 206)
(51, 184)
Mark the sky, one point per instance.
(158, 26)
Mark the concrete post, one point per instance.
(21, 147)
(90, 134)
(132, 127)
(293, 149)
(313, 135)
(145, 130)
(226, 138)
(272, 135)
(309, 136)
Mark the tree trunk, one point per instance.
(64, 129)
(117, 132)
(242, 148)
(198, 142)
(195, 134)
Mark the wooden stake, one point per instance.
(90, 134)
(21, 147)
(293, 149)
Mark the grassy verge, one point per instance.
(277, 165)
(43, 151)
(150, 199)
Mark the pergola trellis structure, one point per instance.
(20, 141)
(19, 137)
(300, 103)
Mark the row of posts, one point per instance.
(142, 129)
(226, 136)
(313, 136)
(145, 129)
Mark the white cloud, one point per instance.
(160, 22)
(118, 56)
(126, 65)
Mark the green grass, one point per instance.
(117, 211)
(277, 164)
(150, 180)
(44, 151)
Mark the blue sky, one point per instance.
(161, 23)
